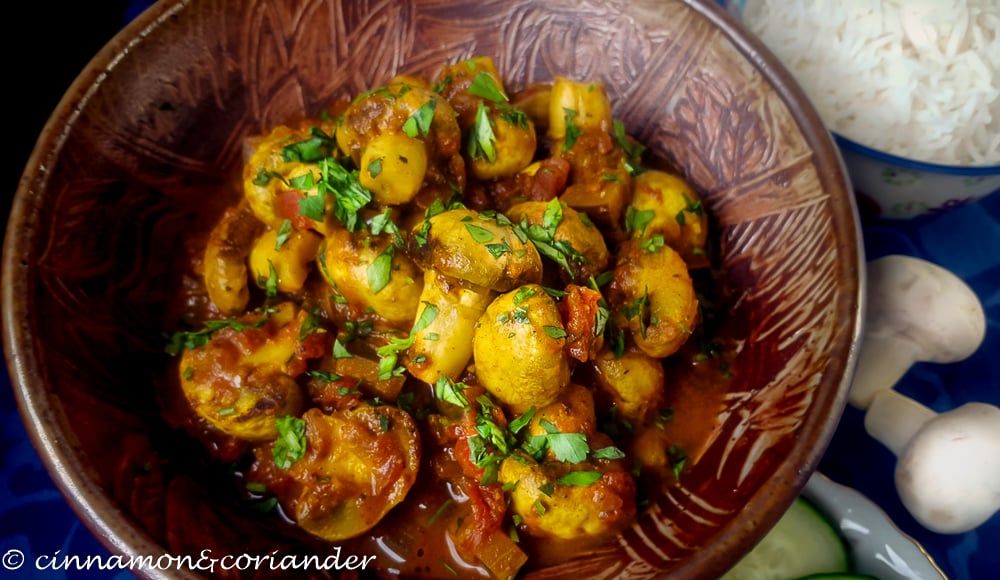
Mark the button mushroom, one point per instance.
(916, 311)
(948, 469)
(518, 347)
(467, 258)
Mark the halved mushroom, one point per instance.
(467, 258)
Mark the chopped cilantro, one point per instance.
(678, 459)
(482, 139)
(284, 232)
(638, 309)
(290, 445)
(484, 86)
(271, 284)
(193, 339)
(543, 237)
(339, 350)
(389, 354)
(652, 243)
(308, 150)
(521, 421)
(380, 270)
(419, 123)
(375, 167)
(349, 196)
(637, 220)
(573, 132)
(325, 376)
(523, 293)
(447, 390)
(479, 234)
(555, 332)
(631, 148)
(607, 453)
(580, 478)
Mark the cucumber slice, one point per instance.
(838, 576)
(802, 543)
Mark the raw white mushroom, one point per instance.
(948, 468)
(915, 311)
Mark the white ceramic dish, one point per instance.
(878, 548)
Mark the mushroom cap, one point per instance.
(948, 477)
(915, 301)
(478, 248)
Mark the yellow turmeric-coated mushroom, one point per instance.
(667, 205)
(518, 348)
(589, 254)
(653, 296)
(358, 464)
(444, 346)
(580, 510)
(225, 258)
(241, 379)
(634, 382)
(289, 260)
(372, 276)
(481, 249)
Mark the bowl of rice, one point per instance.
(910, 91)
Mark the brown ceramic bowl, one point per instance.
(153, 126)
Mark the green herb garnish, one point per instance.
(419, 123)
(290, 445)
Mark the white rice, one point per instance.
(916, 78)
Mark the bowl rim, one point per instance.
(798, 467)
(121, 535)
(61, 455)
(915, 164)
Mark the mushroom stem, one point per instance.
(894, 419)
(948, 464)
(882, 363)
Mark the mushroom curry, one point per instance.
(454, 327)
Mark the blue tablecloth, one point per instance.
(36, 521)
(966, 241)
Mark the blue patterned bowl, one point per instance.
(892, 187)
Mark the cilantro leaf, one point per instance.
(573, 132)
(479, 233)
(419, 123)
(607, 453)
(451, 392)
(307, 151)
(571, 447)
(349, 196)
(555, 332)
(580, 478)
(290, 445)
(389, 353)
(284, 232)
(521, 421)
(482, 140)
(638, 220)
(184, 339)
(313, 206)
(380, 270)
(484, 86)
